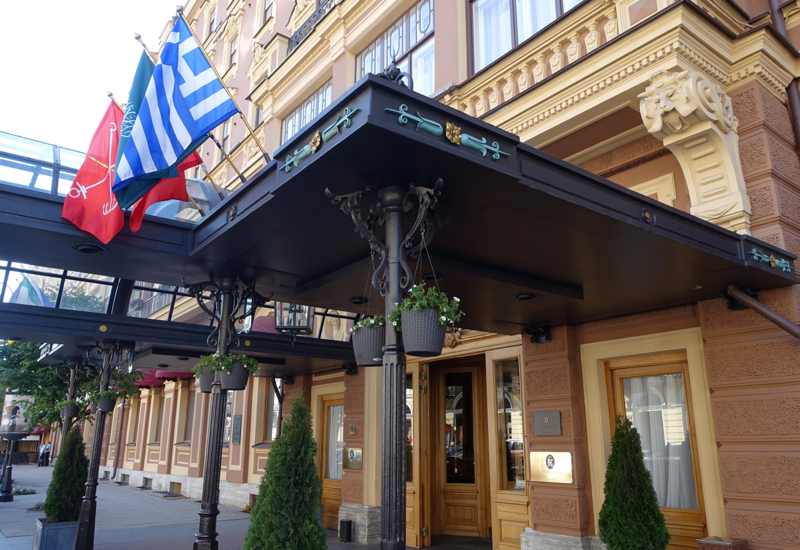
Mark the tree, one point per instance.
(21, 372)
(65, 492)
(74, 296)
(630, 518)
(285, 515)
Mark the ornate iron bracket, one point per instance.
(245, 302)
(366, 210)
(394, 74)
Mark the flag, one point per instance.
(172, 188)
(29, 294)
(184, 100)
(90, 203)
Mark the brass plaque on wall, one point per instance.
(352, 459)
(552, 467)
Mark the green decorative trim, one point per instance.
(293, 161)
(430, 126)
(759, 256)
(481, 146)
(344, 120)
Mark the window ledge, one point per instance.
(130, 444)
(154, 444)
(225, 445)
(184, 444)
(263, 445)
(260, 32)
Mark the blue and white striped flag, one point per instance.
(183, 102)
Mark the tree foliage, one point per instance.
(22, 373)
(630, 518)
(285, 516)
(66, 489)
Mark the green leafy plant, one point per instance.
(369, 322)
(285, 514)
(61, 404)
(65, 492)
(432, 298)
(630, 518)
(112, 394)
(224, 363)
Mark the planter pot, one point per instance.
(106, 405)
(71, 410)
(236, 380)
(55, 536)
(368, 345)
(206, 378)
(423, 336)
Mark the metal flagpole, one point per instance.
(244, 119)
(210, 135)
(86, 520)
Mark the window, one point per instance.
(409, 42)
(187, 434)
(228, 417)
(511, 457)
(259, 117)
(234, 52)
(272, 410)
(133, 420)
(334, 440)
(212, 20)
(226, 136)
(267, 10)
(500, 25)
(306, 112)
(34, 285)
(160, 420)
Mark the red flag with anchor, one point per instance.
(90, 204)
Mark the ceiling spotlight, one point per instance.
(526, 296)
(88, 248)
(432, 277)
(359, 300)
(183, 358)
(163, 366)
(697, 287)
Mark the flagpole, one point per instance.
(114, 99)
(179, 9)
(153, 58)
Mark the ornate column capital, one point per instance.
(694, 118)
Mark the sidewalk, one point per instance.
(128, 518)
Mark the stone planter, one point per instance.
(106, 405)
(423, 336)
(55, 536)
(236, 380)
(368, 345)
(71, 410)
(206, 378)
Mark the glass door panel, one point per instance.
(458, 432)
(508, 391)
(334, 433)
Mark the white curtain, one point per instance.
(335, 442)
(657, 407)
(532, 16)
(492, 30)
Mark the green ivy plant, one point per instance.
(112, 394)
(369, 322)
(432, 298)
(224, 363)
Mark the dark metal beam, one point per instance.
(765, 312)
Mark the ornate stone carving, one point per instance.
(480, 105)
(539, 70)
(524, 79)
(494, 96)
(611, 27)
(694, 118)
(452, 337)
(251, 152)
(574, 49)
(592, 38)
(557, 59)
(302, 9)
(510, 87)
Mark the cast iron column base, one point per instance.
(207, 537)
(6, 490)
(393, 473)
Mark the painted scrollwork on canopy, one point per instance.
(694, 118)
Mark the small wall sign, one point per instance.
(547, 423)
(352, 459)
(552, 467)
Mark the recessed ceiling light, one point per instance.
(163, 366)
(183, 358)
(526, 296)
(89, 248)
(432, 277)
(697, 287)
(359, 300)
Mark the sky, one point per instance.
(61, 57)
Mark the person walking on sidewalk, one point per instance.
(47, 454)
(40, 462)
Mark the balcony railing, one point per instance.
(310, 24)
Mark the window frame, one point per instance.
(191, 404)
(233, 52)
(296, 116)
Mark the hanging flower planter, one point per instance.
(105, 403)
(369, 337)
(234, 371)
(206, 378)
(70, 410)
(422, 319)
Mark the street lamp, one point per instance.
(294, 318)
(13, 427)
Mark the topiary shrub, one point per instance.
(285, 516)
(66, 489)
(630, 518)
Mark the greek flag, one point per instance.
(183, 102)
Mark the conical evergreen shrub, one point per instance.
(67, 487)
(285, 516)
(630, 518)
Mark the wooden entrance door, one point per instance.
(654, 393)
(417, 470)
(331, 448)
(459, 449)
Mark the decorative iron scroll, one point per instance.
(366, 211)
(759, 256)
(344, 121)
